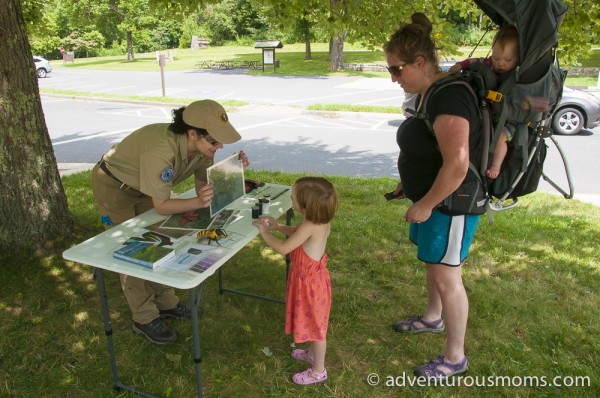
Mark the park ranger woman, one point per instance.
(139, 173)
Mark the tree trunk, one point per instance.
(307, 51)
(336, 57)
(336, 44)
(130, 56)
(306, 29)
(33, 205)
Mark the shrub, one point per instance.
(471, 36)
(47, 47)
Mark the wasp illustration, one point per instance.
(212, 235)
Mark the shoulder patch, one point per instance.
(167, 174)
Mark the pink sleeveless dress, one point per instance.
(308, 297)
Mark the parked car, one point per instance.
(42, 66)
(576, 110)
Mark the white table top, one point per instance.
(97, 251)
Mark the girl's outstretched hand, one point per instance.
(265, 223)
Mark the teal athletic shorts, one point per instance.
(444, 239)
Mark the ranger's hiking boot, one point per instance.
(156, 331)
(181, 311)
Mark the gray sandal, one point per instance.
(409, 325)
(433, 369)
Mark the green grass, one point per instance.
(533, 282)
(354, 108)
(581, 81)
(137, 98)
(290, 56)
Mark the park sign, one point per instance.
(268, 48)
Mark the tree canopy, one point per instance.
(103, 27)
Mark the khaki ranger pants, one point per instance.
(118, 203)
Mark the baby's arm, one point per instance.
(457, 67)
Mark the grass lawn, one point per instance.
(533, 281)
(291, 57)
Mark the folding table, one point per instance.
(97, 252)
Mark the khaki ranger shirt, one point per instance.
(153, 159)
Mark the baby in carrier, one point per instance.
(505, 56)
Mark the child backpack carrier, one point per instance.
(524, 98)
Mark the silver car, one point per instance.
(577, 110)
(42, 66)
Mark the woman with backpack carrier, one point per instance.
(433, 162)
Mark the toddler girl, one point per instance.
(308, 288)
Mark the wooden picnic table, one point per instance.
(243, 64)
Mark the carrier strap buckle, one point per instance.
(494, 96)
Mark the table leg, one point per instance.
(99, 277)
(288, 219)
(196, 335)
(220, 275)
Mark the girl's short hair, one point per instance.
(413, 40)
(317, 197)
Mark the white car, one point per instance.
(42, 66)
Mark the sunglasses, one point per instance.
(396, 70)
(210, 140)
(204, 134)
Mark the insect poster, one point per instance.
(194, 219)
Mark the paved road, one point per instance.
(278, 133)
(276, 138)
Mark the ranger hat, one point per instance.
(210, 115)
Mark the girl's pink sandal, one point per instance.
(309, 377)
(303, 356)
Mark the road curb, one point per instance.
(65, 169)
